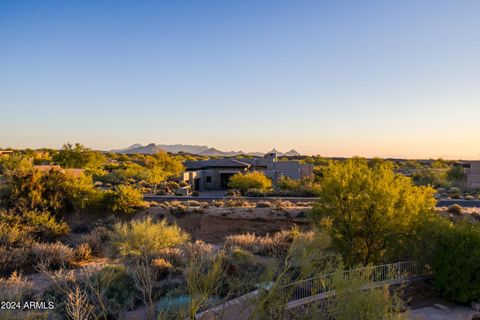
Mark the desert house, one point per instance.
(5, 153)
(214, 174)
(472, 171)
(46, 168)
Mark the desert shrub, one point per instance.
(54, 191)
(163, 267)
(170, 308)
(12, 259)
(456, 262)
(217, 203)
(280, 204)
(469, 197)
(273, 245)
(250, 180)
(263, 204)
(52, 255)
(243, 270)
(15, 288)
(203, 275)
(125, 199)
(255, 192)
(236, 203)
(44, 224)
(96, 239)
(455, 209)
(199, 249)
(354, 300)
(13, 234)
(195, 203)
(145, 237)
(178, 210)
(234, 193)
(312, 250)
(111, 290)
(20, 226)
(83, 251)
(26, 315)
(430, 177)
(301, 188)
(174, 256)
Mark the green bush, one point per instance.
(456, 263)
(124, 199)
(145, 237)
(250, 180)
(116, 285)
(20, 227)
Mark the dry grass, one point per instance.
(52, 255)
(237, 203)
(264, 204)
(282, 204)
(12, 259)
(83, 251)
(272, 245)
(15, 288)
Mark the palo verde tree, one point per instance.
(160, 167)
(369, 210)
(251, 180)
(77, 156)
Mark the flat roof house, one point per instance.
(214, 174)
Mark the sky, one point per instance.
(335, 78)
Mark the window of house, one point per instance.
(209, 179)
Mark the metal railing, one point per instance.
(387, 273)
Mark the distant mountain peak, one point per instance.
(292, 153)
(153, 148)
(274, 151)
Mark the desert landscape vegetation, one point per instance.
(239, 160)
(76, 233)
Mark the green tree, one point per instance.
(160, 167)
(430, 177)
(369, 211)
(250, 180)
(455, 174)
(77, 156)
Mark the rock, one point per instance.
(476, 306)
(443, 308)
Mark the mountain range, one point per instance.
(153, 148)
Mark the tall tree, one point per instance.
(369, 210)
(77, 156)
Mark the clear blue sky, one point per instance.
(337, 78)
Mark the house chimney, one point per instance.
(271, 156)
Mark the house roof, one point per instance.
(215, 163)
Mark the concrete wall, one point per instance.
(473, 174)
